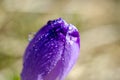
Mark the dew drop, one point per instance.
(63, 59)
(51, 39)
(56, 46)
(31, 36)
(50, 53)
(39, 38)
(52, 44)
(48, 57)
(36, 49)
(33, 45)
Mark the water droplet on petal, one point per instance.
(31, 36)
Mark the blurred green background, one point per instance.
(98, 22)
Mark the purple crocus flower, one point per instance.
(52, 52)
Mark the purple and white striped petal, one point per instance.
(52, 52)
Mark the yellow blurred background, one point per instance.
(98, 22)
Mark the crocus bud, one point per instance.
(52, 52)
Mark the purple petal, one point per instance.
(52, 52)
